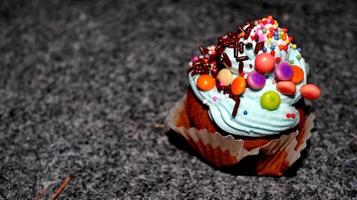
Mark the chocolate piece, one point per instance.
(258, 47)
(242, 58)
(240, 69)
(248, 30)
(226, 61)
(236, 106)
(203, 50)
(241, 47)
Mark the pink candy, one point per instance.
(283, 72)
(255, 80)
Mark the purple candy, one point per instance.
(283, 72)
(255, 80)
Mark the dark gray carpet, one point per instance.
(85, 87)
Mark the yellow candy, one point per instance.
(225, 77)
(270, 100)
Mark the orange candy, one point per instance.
(238, 86)
(205, 82)
(310, 91)
(286, 87)
(298, 74)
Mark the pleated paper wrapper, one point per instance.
(275, 157)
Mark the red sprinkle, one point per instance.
(288, 115)
(291, 39)
(272, 53)
(278, 59)
(293, 115)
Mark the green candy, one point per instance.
(270, 100)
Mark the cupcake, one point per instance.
(247, 98)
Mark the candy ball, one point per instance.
(310, 91)
(283, 72)
(264, 63)
(225, 77)
(298, 74)
(270, 100)
(205, 82)
(286, 87)
(238, 85)
(255, 80)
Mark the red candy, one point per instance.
(310, 91)
(264, 63)
(286, 87)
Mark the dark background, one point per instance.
(85, 87)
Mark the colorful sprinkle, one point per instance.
(290, 115)
(278, 59)
(214, 98)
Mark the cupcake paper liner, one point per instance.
(221, 151)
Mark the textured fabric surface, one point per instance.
(85, 87)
